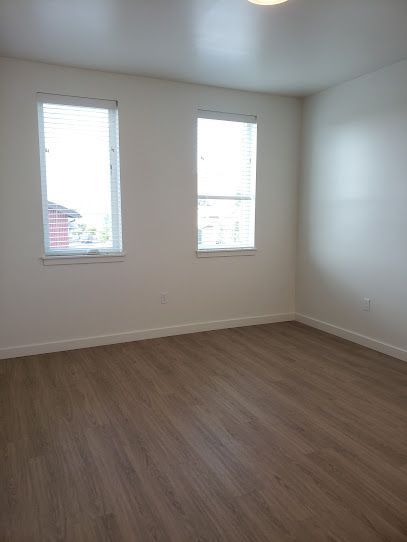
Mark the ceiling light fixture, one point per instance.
(267, 2)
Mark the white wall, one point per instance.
(157, 138)
(353, 207)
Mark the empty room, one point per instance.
(203, 270)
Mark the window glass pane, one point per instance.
(226, 157)
(225, 224)
(82, 201)
(226, 184)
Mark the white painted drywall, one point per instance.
(157, 139)
(353, 206)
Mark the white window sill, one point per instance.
(226, 253)
(72, 259)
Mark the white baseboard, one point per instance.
(357, 338)
(130, 336)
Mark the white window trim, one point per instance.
(55, 257)
(226, 253)
(223, 252)
(70, 259)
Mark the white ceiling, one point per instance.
(295, 48)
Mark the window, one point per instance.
(79, 152)
(226, 181)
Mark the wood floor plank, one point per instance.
(270, 433)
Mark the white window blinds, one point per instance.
(79, 154)
(227, 147)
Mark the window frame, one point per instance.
(224, 251)
(53, 256)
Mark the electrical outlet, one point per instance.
(366, 304)
(164, 299)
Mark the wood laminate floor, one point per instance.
(271, 433)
